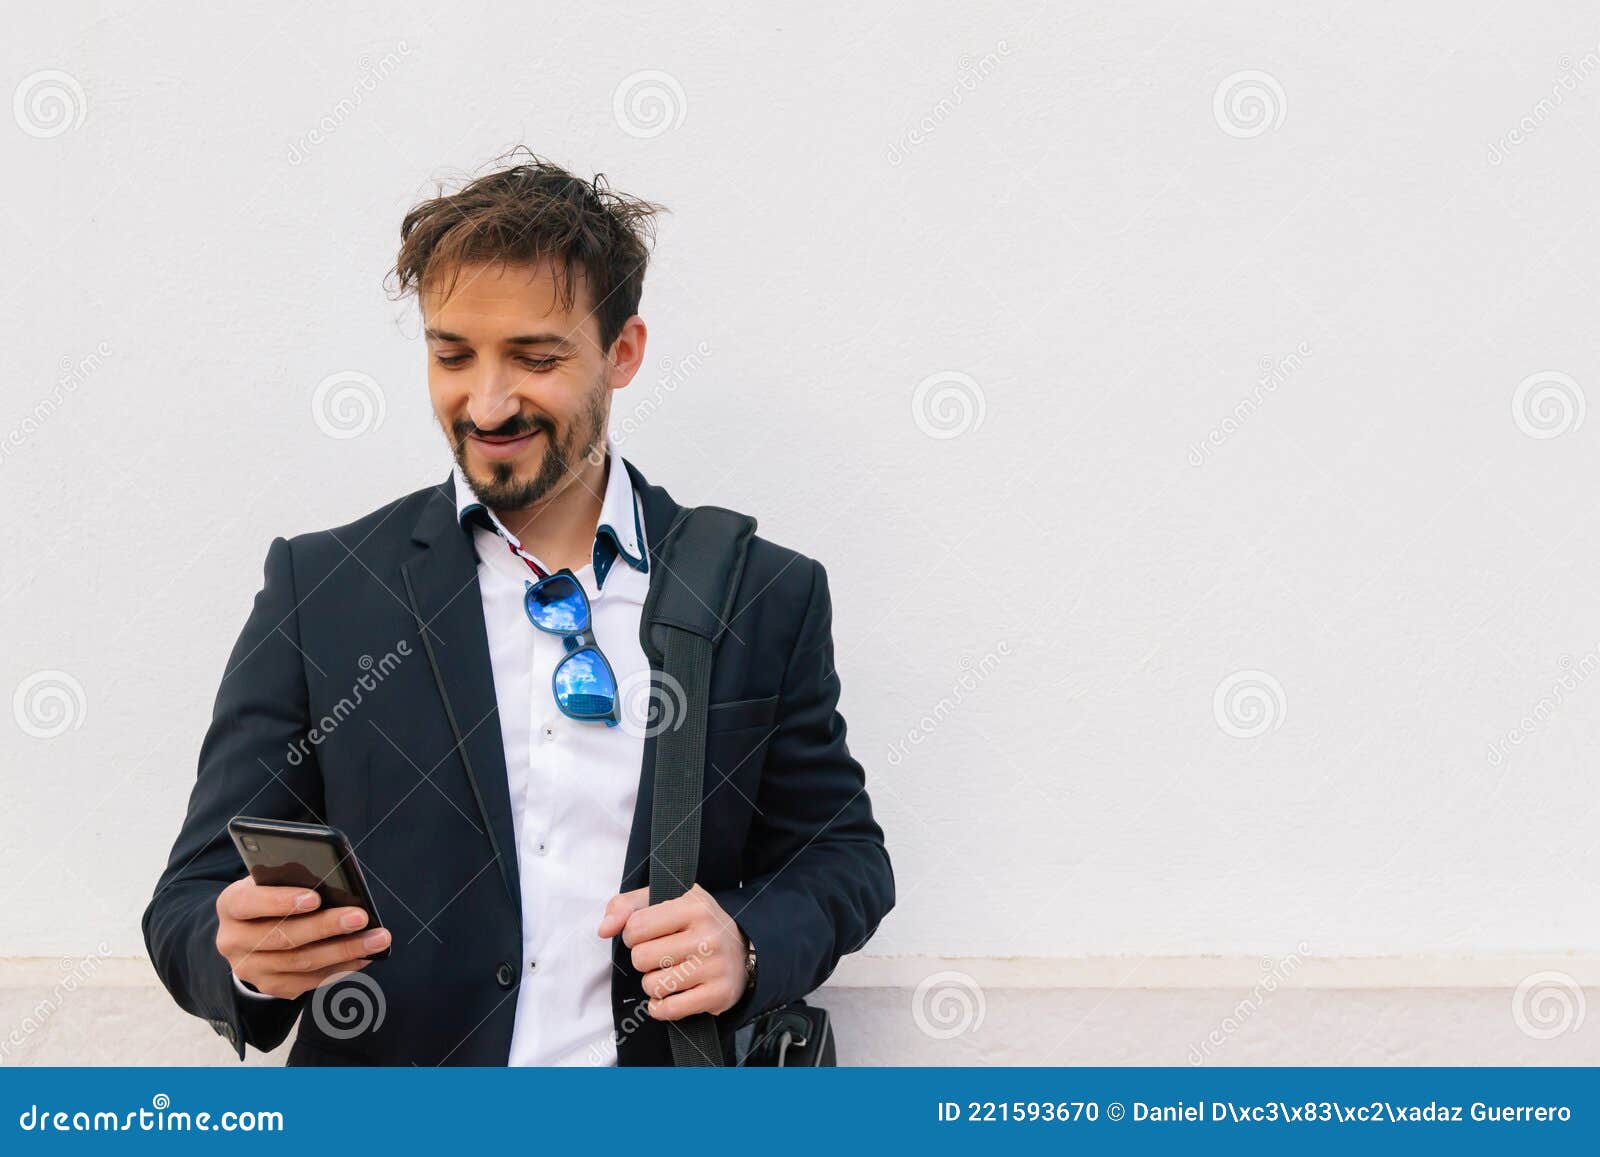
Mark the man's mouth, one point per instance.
(498, 447)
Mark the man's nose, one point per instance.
(492, 401)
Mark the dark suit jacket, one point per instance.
(803, 871)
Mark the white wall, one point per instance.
(968, 289)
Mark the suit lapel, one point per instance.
(658, 511)
(441, 582)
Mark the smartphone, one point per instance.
(281, 853)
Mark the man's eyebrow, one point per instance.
(520, 339)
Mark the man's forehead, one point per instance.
(502, 294)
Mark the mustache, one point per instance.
(465, 428)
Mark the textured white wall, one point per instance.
(1188, 405)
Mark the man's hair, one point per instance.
(531, 212)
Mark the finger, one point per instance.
(659, 920)
(296, 931)
(327, 953)
(619, 908)
(246, 900)
(700, 998)
(288, 985)
(666, 981)
(679, 950)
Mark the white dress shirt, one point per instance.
(573, 784)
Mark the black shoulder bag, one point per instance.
(702, 560)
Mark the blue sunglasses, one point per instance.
(584, 684)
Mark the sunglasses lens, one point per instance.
(557, 604)
(585, 687)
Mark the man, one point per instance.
(496, 788)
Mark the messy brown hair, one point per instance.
(529, 212)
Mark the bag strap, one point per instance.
(701, 560)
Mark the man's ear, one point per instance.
(627, 353)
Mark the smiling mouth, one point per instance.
(500, 446)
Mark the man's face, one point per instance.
(519, 383)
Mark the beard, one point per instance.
(501, 489)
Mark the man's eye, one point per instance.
(450, 360)
(541, 363)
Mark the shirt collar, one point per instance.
(619, 533)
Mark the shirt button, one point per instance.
(533, 966)
(540, 848)
(549, 732)
(505, 976)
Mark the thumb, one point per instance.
(620, 907)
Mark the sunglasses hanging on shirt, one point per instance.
(584, 684)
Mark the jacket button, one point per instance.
(505, 975)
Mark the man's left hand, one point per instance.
(690, 951)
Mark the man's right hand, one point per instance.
(277, 940)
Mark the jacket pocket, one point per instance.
(740, 713)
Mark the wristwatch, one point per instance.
(749, 963)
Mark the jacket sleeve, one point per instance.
(817, 878)
(254, 761)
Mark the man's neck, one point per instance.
(559, 530)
